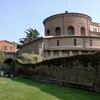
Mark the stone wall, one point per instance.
(34, 46)
(81, 71)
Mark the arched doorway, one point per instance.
(8, 61)
(8, 67)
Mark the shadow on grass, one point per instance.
(62, 93)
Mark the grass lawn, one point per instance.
(24, 89)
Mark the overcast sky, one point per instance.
(18, 15)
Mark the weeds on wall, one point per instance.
(29, 58)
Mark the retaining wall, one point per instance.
(82, 71)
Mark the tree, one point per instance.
(18, 44)
(21, 40)
(1, 58)
(31, 34)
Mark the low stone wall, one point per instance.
(82, 71)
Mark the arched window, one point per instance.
(83, 31)
(57, 31)
(71, 30)
(48, 32)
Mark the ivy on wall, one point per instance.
(80, 69)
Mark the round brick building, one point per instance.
(66, 34)
(70, 34)
(67, 24)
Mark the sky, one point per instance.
(18, 15)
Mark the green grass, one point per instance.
(24, 89)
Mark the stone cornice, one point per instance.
(67, 36)
(72, 48)
(95, 24)
(67, 14)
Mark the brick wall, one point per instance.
(7, 46)
(32, 47)
(65, 20)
